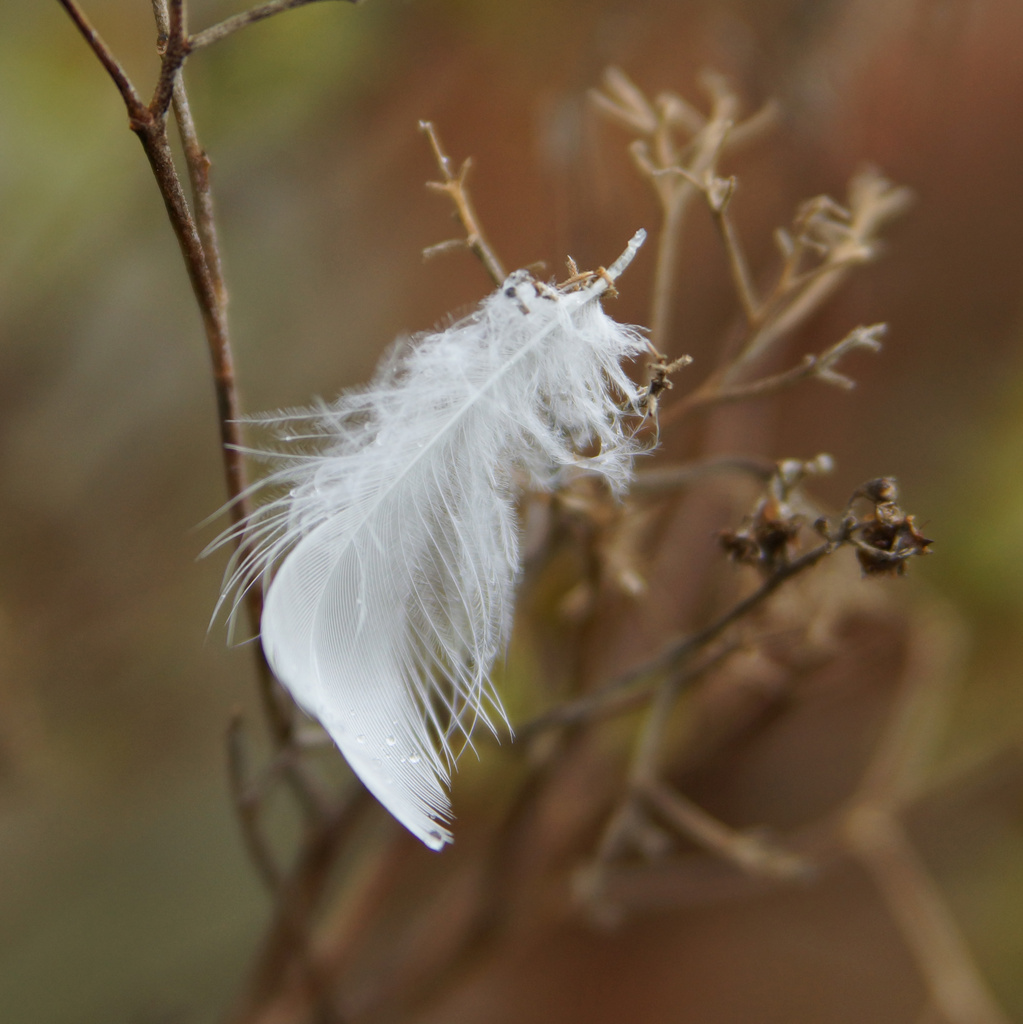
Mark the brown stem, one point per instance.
(286, 945)
(746, 850)
(798, 305)
(954, 983)
(674, 657)
(150, 126)
(714, 395)
(737, 263)
(453, 185)
(175, 50)
(716, 391)
(669, 478)
(668, 245)
(198, 164)
(228, 26)
(152, 134)
(248, 804)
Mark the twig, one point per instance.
(676, 654)
(748, 851)
(248, 805)
(673, 658)
(676, 171)
(741, 276)
(173, 41)
(622, 695)
(675, 199)
(841, 238)
(874, 834)
(202, 265)
(953, 981)
(196, 160)
(198, 164)
(229, 26)
(453, 186)
(820, 367)
(669, 478)
(286, 944)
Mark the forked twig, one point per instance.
(873, 831)
(674, 136)
(954, 984)
(749, 851)
(196, 237)
(453, 185)
(822, 367)
(831, 238)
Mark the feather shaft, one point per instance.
(395, 541)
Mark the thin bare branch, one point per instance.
(821, 367)
(676, 654)
(248, 805)
(287, 943)
(202, 266)
(618, 697)
(841, 239)
(229, 26)
(198, 164)
(173, 34)
(196, 159)
(279, 710)
(749, 851)
(756, 126)
(954, 983)
(453, 186)
(677, 168)
(743, 279)
(669, 478)
(622, 101)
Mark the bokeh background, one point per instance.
(125, 893)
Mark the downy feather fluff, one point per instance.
(396, 540)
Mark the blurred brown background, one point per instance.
(125, 894)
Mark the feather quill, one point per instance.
(396, 542)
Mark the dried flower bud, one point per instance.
(887, 536)
(882, 489)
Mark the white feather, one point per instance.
(397, 538)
